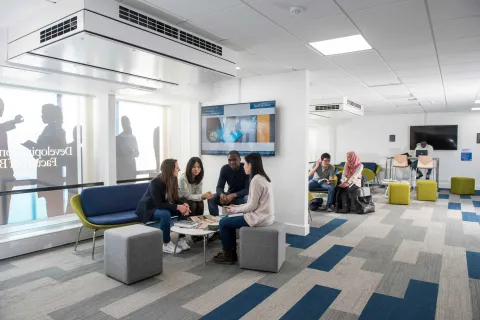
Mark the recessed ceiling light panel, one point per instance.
(341, 45)
(477, 101)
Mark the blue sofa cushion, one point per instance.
(112, 199)
(115, 218)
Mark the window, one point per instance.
(139, 140)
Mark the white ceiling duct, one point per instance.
(344, 109)
(103, 39)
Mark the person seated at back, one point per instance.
(257, 212)
(427, 150)
(238, 181)
(191, 186)
(323, 174)
(349, 184)
(161, 201)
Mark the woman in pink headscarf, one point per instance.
(350, 182)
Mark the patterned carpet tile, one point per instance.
(420, 261)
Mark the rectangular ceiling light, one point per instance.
(475, 109)
(477, 101)
(341, 45)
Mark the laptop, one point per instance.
(421, 153)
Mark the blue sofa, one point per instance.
(107, 207)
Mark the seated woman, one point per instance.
(351, 181)
(161, 201)
(258, 211)
(191, 186)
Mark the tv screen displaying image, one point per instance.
(439, 137)
(244, 127)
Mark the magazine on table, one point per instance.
(186, 224)
(205, 221)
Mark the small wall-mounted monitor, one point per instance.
(439, 137)
(244, 127)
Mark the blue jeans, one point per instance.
(165, 218)
(228, 231)
(414, 167)
(313, 184)
(215, 202)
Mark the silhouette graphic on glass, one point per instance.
(156, 147)
(71, 162)
(127, 151)
(6, 171)
(48, 151)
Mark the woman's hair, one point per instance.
(255, 160)
(197, 179)
(166, 176)
(52, 113)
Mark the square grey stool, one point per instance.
(262, 248)
(133, 253)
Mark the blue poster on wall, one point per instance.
(466, 155)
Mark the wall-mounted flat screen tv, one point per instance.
(439, 137)
(244, 127)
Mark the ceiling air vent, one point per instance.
(163, 28)
(327, 107)
(353, 104)
(58, 29)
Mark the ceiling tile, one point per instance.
(398, 25)
(323, 29)
(456, 28)
(408, 73)
(354, 5)
(260, 65)
(421, 79)
(235, 46)
(231, 24)
(193, 9)
(448, 9)
(11, 10)
(291, 52)
(279, 10)
(333, 76)
(408, 51)
(458, 58)
(412, 63)
(369, 61)
(390, 92)
(458, 45)
(410, 110)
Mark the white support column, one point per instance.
(105, 143)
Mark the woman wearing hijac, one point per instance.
(161, 201)
(351, 181)
(258, 211)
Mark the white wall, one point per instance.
(288, 168)
(321, 138)
(369, 137)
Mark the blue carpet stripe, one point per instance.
(242, 303)
(454, 206)
(420, 303)
(473, 264)
(313, 305)
(465, 197)
(476, 204)
(303, 242)
(443, 196)
(329, 259)
(470, 216)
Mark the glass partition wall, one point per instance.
(47, 150)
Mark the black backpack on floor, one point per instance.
(315, 204)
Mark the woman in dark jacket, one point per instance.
(161, 202)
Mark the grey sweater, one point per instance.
(190, 191)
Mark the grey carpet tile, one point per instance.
(77, 272)
(4, 266)
(395, 279)
(475, 291)
(178, 314)
(428, 267)
(29, 277)
(89, 308)
(332, 314)
(456, 237)
(211, 277)
(353, 221)
(440, 214)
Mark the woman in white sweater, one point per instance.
(257, 212)
(191, 186)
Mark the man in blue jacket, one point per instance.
(238, 183)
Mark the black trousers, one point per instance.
(344, 196)
(196, 207)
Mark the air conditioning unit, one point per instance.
(105, 39)
(343, 109)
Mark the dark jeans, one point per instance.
(215, 202)
(196, 207)
(165, 218)
(313, 185)
(414, 167)
(228, 231)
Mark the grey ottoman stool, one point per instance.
(133, 253)
(262, 248)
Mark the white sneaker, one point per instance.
(182, 244)
(170, 248)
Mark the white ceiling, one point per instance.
(428, 50)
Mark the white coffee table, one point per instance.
(194, 232)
